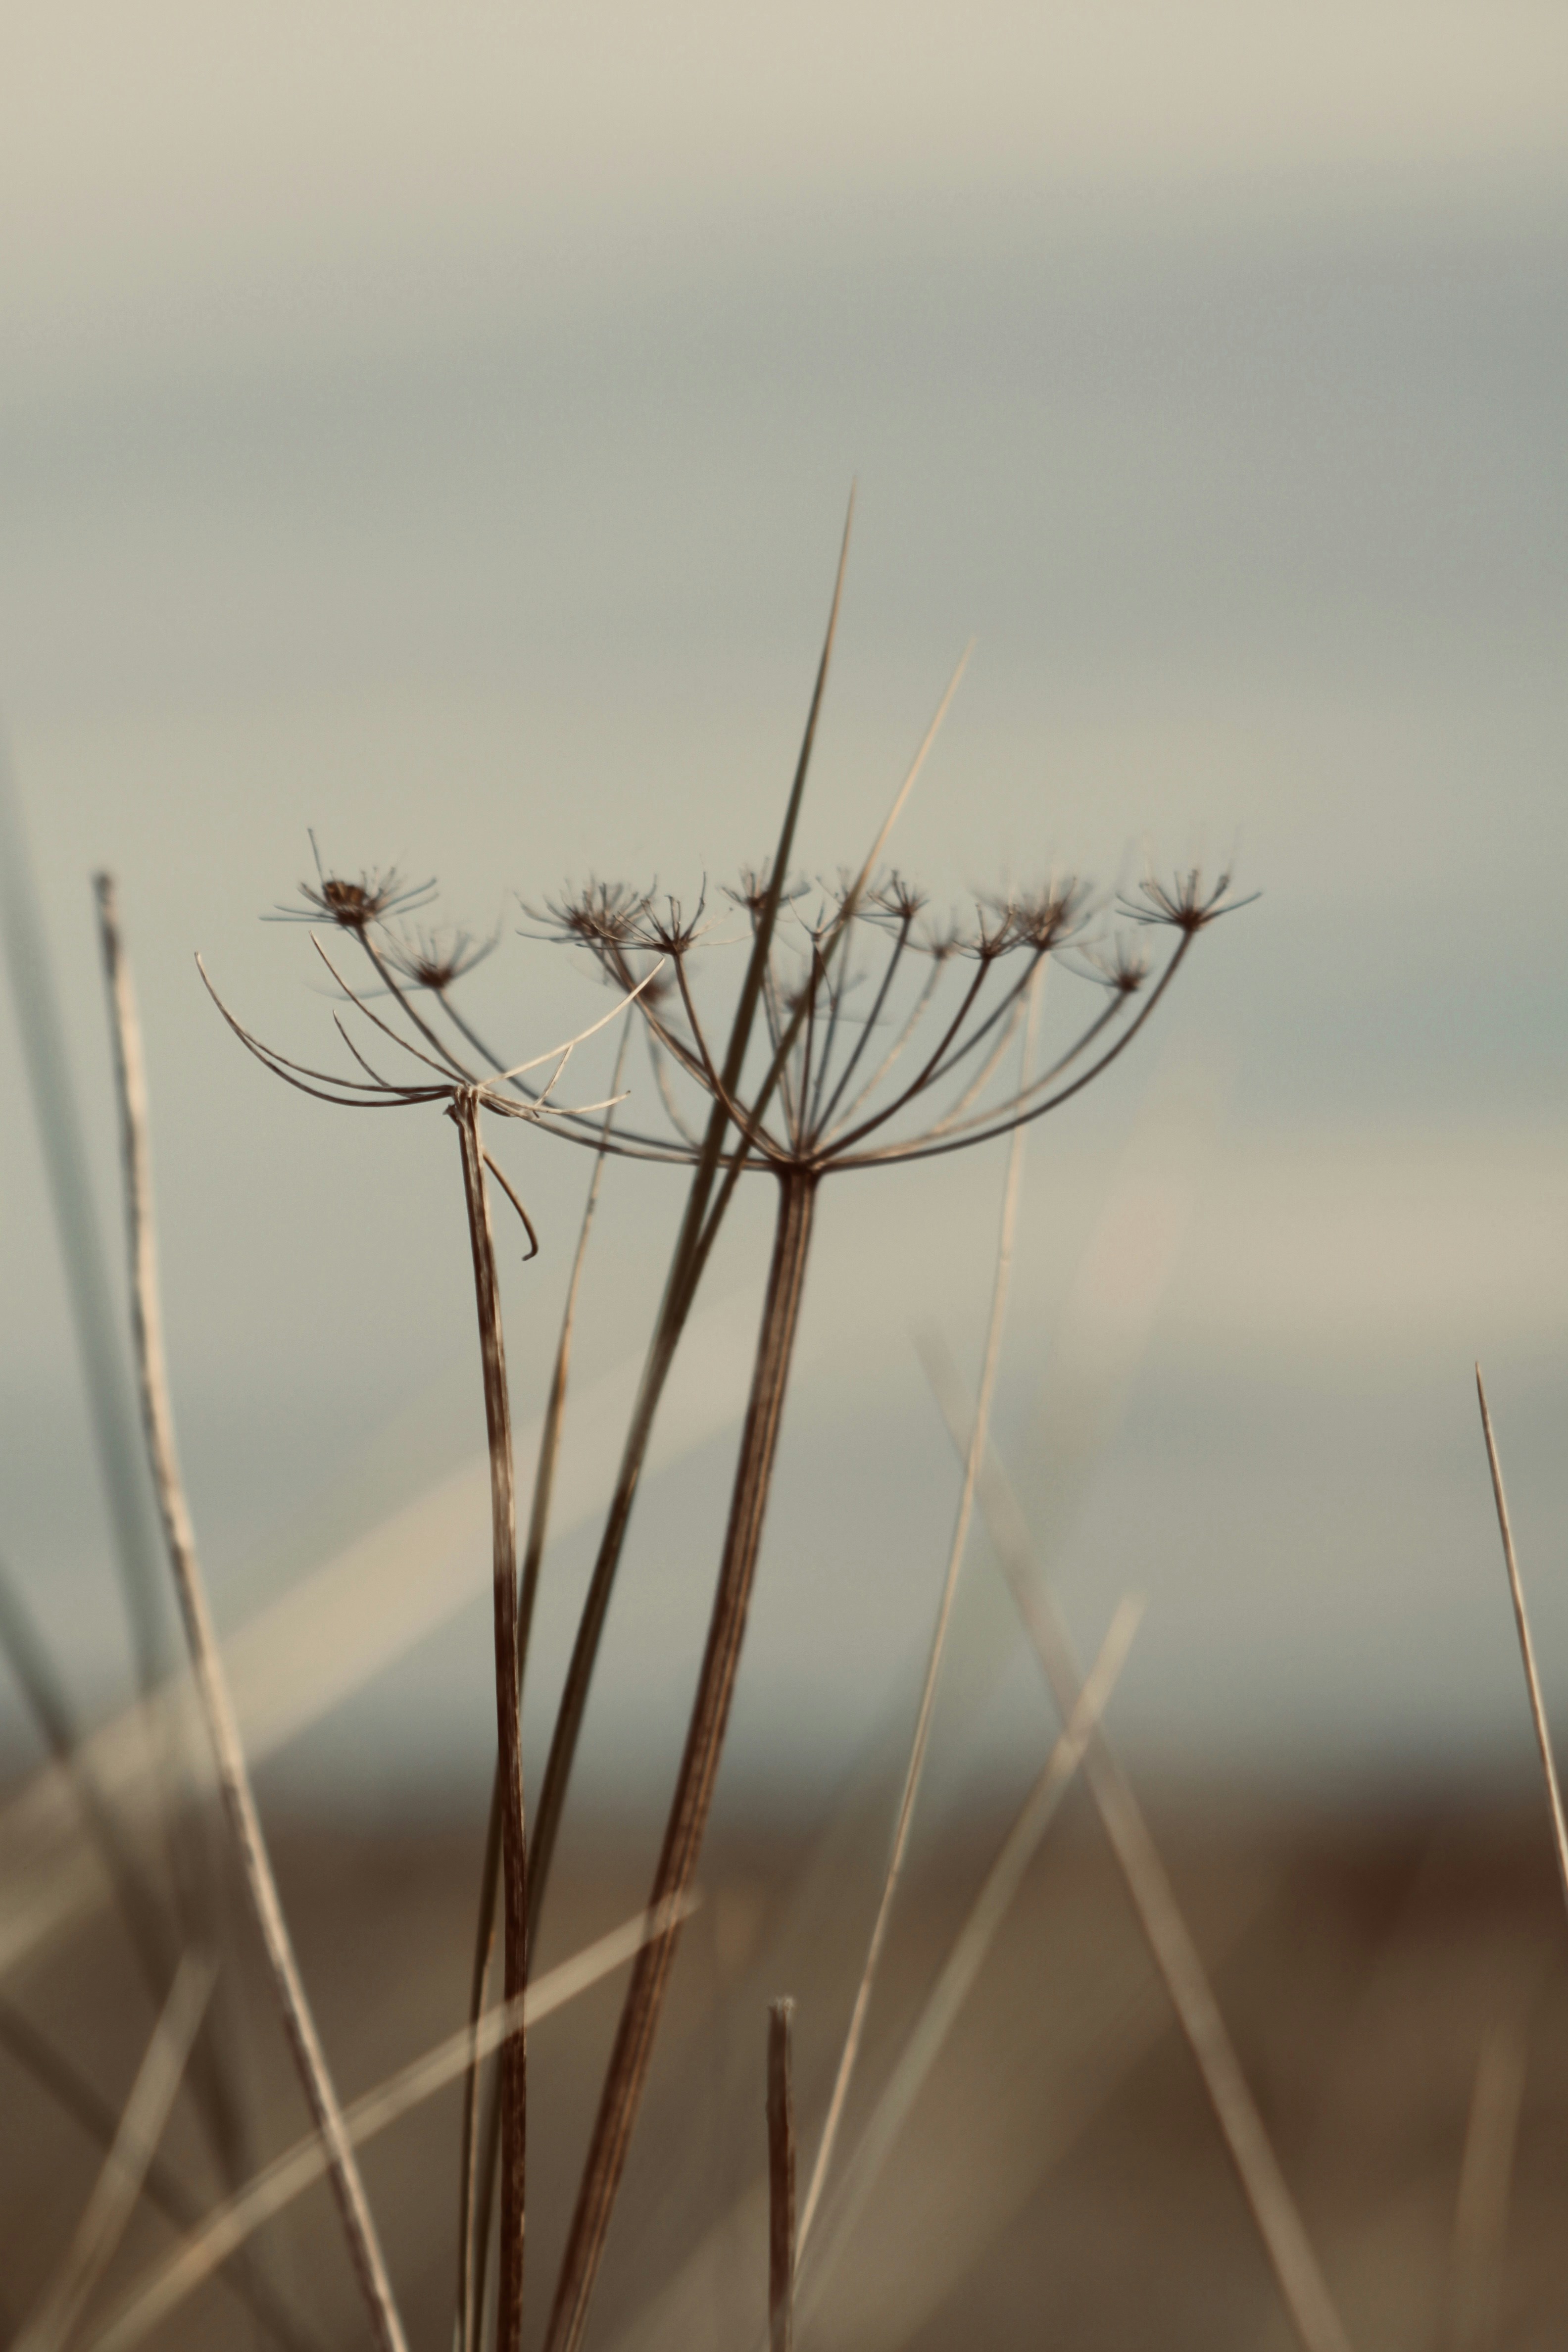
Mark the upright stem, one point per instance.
(781, 2178)
(207, 1661)
(465, 1111)
(693, 1796)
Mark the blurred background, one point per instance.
(434, 428)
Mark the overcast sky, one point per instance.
(435, 426)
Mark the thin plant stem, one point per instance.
(160, 2186)
(1302, 2287)
(1526, 1646)
(465, 1113)
(473, 2209)
(118, 2183)
(970, 1946)
(159, 2290)
(628, 2070)
(207, 1661)
(915, 1767)
(781, 2178)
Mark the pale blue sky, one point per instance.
(434, 425)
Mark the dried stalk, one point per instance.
(970, 1946)
(160, 2186)
(206, 1662)
(1526, 1646)
(627, 2071)
(118, 2183)
(915, 1766)
(159, 2290)
(465, 1112)
(1295, 2265)
(781, 2178)
(474, 2211)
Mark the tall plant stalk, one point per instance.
(206, 1662)
(465, 1112)
(627, 2071)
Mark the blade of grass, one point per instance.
(1302, 2287)
(162, 2289)
(974, 1941)
(212, 1684)
(1526, 1646)
(904, 1820)
(87, 1288)
(118, 2183)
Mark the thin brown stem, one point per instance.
(627, 2071)
(207, 1661)
(473, 2213)
(465, 1113)
(781, 2178)
(1302, 2287)
(1485, 2175)
(1526, 1646)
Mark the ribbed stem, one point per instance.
(628, 2066)
(465, 1112)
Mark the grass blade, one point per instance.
(1526, 1646)
(781, 2178)
(1296, 2269)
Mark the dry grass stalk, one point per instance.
(781, 2178)
(234, 1778)
(914, 1769)
(1526, 1646)
(118, 2183)
(1486, 2174)
(1295, 2265)
(967, 1955)
(161, 2290)
(54, 2073)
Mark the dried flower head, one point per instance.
(353, 905)
(1184, 904)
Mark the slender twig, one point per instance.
(1480, 2217)
(54, 2073)
(967, 1955)
(159, 2291)
(628, 2070)
(781, 2178)
(465, 1112)
(212, 1683)
(118, 2183)
(1302, 2287)
(915, 1767)
(1526, 1646)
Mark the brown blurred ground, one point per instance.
(1060, 2181)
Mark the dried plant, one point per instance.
(441, 1078)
